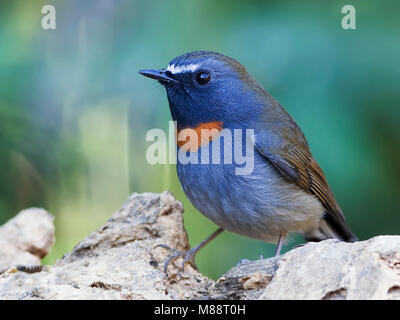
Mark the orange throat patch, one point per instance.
(191, 139)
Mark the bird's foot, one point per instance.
(244, 260)
(188, 257)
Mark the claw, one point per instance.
(183, 264)
(163, 246)
(242, 261)
(188, 257)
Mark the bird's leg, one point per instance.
(188, 256)
(277, 251)
(279, 244)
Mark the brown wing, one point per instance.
(279, 139)
(298, 166)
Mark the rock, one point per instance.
(245, 281)
(119, 261)
(331, 270)
(26, 238)
(327, 270)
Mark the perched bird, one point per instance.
(286, 192)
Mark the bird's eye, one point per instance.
(202, 78)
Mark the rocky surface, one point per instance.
(119, 261)
(331, 270)
(26, 238)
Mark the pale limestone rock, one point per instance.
(338, 270)
(118, 261)
(26, 238)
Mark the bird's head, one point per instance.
(205, 87)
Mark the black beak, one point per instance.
(157, 75)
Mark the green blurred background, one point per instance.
(74, 112)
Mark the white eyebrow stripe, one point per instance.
(180, 69)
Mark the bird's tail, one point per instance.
(327, 231)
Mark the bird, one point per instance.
(285, 193)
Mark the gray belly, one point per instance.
(261, 205)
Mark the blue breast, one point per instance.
(244, 204)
